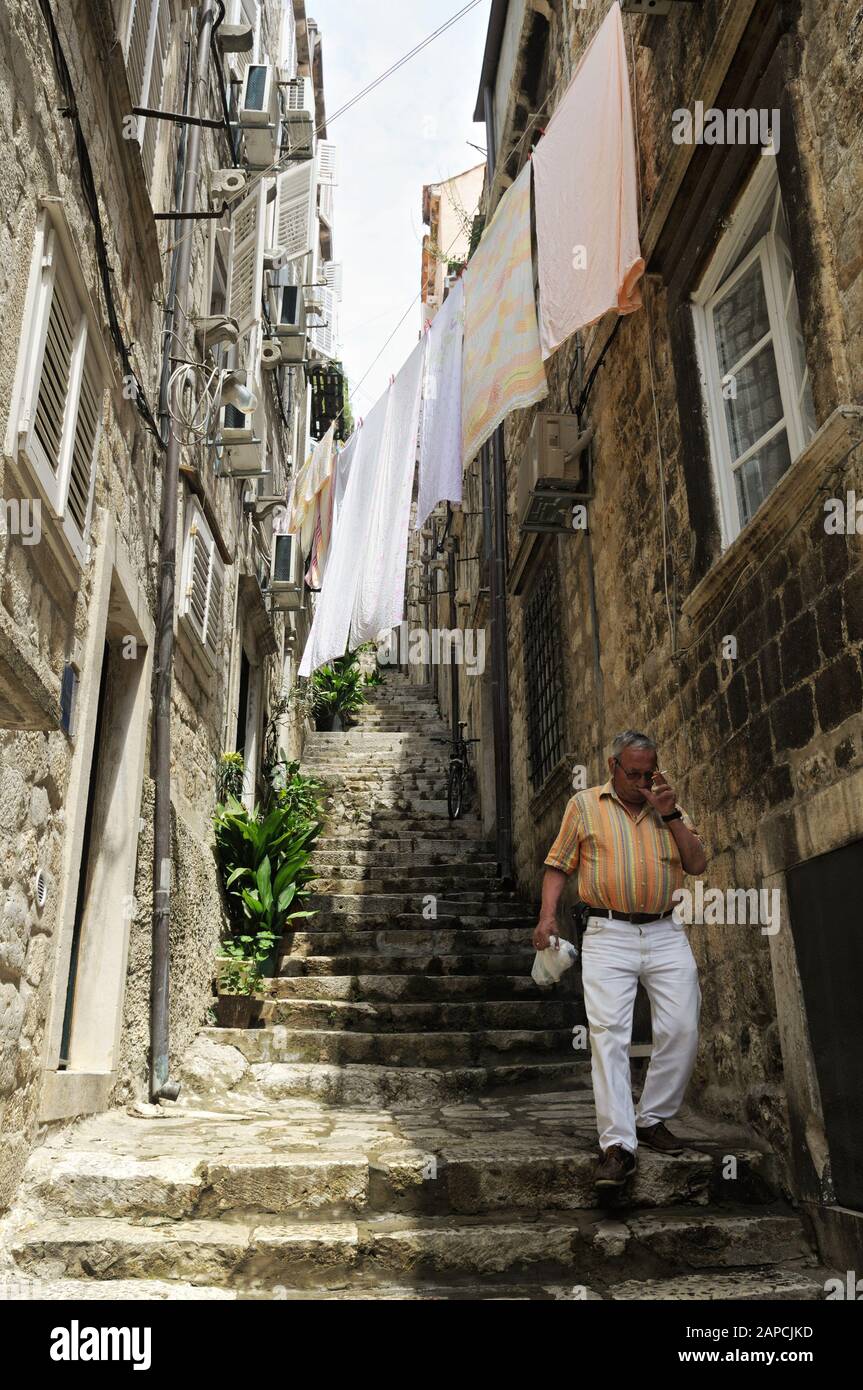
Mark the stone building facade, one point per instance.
(709, 592)
(87, 264)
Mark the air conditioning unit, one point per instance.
(288, 319)
(554, 474)
(298, 113)
(286, 582)
(240, 441)
(259, 115)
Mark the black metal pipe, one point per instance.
(160, 1084)
(493, 462)
(455, 713)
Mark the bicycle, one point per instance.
(460, 773)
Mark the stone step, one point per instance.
(420, 971)
(431, 825)
(806, 1284)
(404, 988)
(388, 906)
(446, 840)
(477, 1048)
(437, 879)
(235, 1084)
(413, 1016)
(311, 1254)
(407, 938)
(438, 855)
(471, 1178)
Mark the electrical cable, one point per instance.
(278, 165)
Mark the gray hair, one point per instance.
(630, 739)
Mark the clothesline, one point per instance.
(483, 354)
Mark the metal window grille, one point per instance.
(544, 677)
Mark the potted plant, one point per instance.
(239, 986)
(337, 693)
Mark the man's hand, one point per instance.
(661, 796)
(544, 930)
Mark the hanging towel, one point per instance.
(332, 621)
(340, 480)
(440, 470)
(503, 368)
(323, 520)
(586, 193)
(380, 598)
(311, 479)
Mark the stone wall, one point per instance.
(48, 614)
(747, 739)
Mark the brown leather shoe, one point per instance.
(659, 1137)
(615, 1165)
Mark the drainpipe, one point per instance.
(161, 1087)
(493, 461)
(452, 549)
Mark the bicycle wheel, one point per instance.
(454, 789)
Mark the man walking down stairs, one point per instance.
(411, 1122)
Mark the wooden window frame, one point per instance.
(762, 189)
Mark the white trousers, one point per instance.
(615, 955)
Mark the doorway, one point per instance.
(829, 947)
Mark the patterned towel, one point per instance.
(502, 366)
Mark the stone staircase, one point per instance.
(411, 1122)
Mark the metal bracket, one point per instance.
(179, 117)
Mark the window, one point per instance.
(543, 677)
(753, 364)
(203, 582)
(148, 37)
(56, 411)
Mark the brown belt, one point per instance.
(636, 917)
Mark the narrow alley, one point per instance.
(410, 1121)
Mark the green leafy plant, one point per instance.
(239, 975)
(265, 862)
(337, 690)
(293, 790)
(373, 678)
(229, 776)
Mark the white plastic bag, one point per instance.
(549, 965)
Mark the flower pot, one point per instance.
(237, 1010)
(324, 723)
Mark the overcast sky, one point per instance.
(412, 130)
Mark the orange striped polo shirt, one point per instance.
(630, 864)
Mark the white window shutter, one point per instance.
(83, 463)
(325, 336)
(56, 372)
(246, 257)
(197, 579)
(295, 209)
(327, 163)
(136, 47)
(204, 586)
(333, 276)
(155, 84)
(214, 603)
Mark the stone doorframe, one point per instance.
(118, 610)
(825, 820)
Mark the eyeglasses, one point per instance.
(635, 776)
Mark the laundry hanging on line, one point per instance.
(502, 363)
(363, 590)
(586, 195)
(440, 460)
